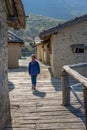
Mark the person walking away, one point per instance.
(33, 70)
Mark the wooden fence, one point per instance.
(69, 71)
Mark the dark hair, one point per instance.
(33, 55)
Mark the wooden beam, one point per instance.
(9, 7)
(77, 97)
(78, 65)
(76, 75)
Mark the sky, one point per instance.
(54, 8)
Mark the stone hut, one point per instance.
(42, 50)
(67, 42)
(14, 49)
(11, 15)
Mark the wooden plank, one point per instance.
(31, 111)
(76, 75)
(60, 125)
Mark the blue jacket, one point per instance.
(34, 68)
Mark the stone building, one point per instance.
(14, 49)
(67, 43)
(42, 50)
(12, 15)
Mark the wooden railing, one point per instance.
(69, 71)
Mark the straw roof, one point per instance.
(15, 13)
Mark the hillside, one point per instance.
(34, 25)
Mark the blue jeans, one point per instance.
(33, 79)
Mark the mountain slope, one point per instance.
(35, 24)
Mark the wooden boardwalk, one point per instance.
(41, 109)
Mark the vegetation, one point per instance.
(34, 25)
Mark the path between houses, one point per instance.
(41, 109)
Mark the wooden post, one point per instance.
(65, 89)
(85, 104)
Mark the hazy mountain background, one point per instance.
(34, 25)
(44, 14)
(61, 9)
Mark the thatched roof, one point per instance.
(13, 38)
(15, 13)
(47, 33)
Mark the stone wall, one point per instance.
(61, 47)
(4, 99)
(46, 54)
(13, 55)
(43, 53)
(39, 54)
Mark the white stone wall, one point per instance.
(52, 55)
(46, 54)
(39, 53)
(43, 53)
(61, 50)
(13, 55)
(4, 99)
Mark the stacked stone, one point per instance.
(4, 98)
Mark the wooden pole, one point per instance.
(65, 89)
(85, 104)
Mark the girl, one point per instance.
(33, 70)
